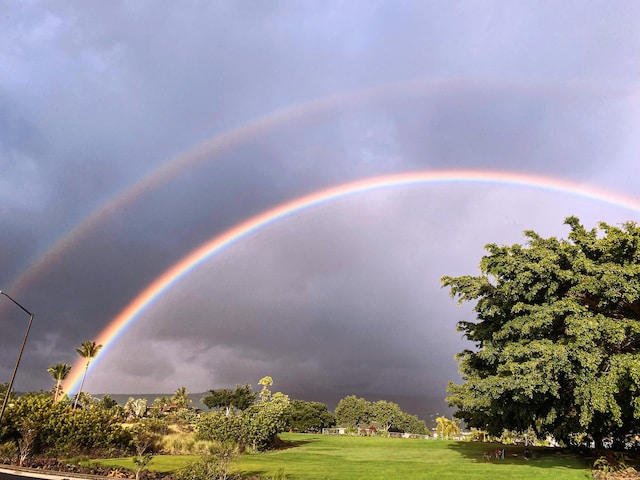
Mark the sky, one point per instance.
(132, 132)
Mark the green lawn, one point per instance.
(331, 457)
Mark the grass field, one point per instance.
(311, 457)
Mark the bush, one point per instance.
(55, 428)
(263, 421)
(85, 431)
(214, 466)
(257, 426)
(8, 452)
(218, 427)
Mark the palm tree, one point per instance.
(59, 372)
(446, 428)
(181, 398)
(87, 350)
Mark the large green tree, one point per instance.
(353, 411)
(410, 424)
(386, 414)
(556, 335)
(303, 416)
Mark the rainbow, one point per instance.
(219, 242)
(218, 144)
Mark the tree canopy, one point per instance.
(556, 335)
(241, 398)
(304, 416)
(353, 411)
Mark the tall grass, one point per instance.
(181, 443)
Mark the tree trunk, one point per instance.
(598, 441)
(84, 375)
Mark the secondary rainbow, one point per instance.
(217, 144)
(219, 242)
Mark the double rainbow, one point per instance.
(213, 246)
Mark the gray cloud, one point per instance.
(342, 299)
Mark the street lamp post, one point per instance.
(24, 341)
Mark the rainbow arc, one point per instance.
(220, 242)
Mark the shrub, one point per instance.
(89, 430)
(214, 466)
(216, 426)
(41, 425)
(257, 426)
(8, 452)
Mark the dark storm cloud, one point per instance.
(95, 96)
(346, 302)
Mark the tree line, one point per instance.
(54, 425)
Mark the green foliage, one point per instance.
(181, 398)
(216, 426)
(410, 424)
(257, 426)
(265, 393)
(264, 420)
(352, 430)
(161, 407)
(241, 398)
(8, 452)
(88, 350)
(185, 443)
(29, 430)
(357, 412)
(385, 414)
(135, 408)
(187, 418)
(610, 463)
(446, 428)
(107, 403)
(303, 416)
(353, 411)
(146, 436)
(38, 424)
(214, 466)
(89, 430)
(35, 409)
(141, 461)
(59, 372)
(84, 400)
(3, 389)
(556, 336)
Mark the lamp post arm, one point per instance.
(9, 297)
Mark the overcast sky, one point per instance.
(340, 299)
